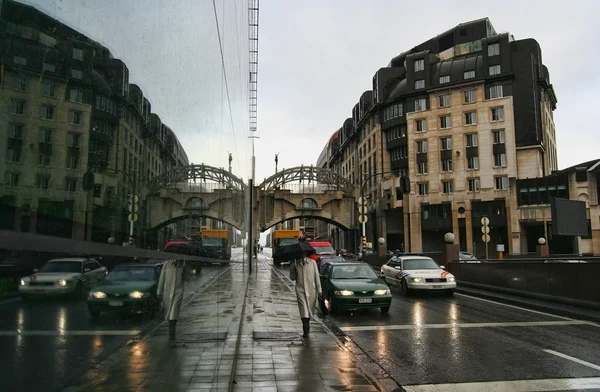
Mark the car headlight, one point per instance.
(98, 294)
(62, 282)
(344, 292)
(382, 292)
(417, 280)
(138, 295)
(450, 279)
(23, 283)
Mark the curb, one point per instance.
(391, 385)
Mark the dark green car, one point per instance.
(353, 286)
(128, 288)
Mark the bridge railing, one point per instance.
(198, 187)
(308, 188)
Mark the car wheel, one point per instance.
(385, 309)
(78, 293)
(449, 293)
(404, 287)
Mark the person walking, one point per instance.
(308, 288)
(170, 290)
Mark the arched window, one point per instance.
(309, 204)
(195, 202)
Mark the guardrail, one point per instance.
(573, 283)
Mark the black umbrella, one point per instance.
(293, 251)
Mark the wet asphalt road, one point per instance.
(432, 339)
(48, 343)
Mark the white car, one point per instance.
(465, 257)
(418, 273)
(63, 276)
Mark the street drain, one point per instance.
(283, 336)
(202, 337)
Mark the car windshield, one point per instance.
(419, 264)
(212, 242)
(353, 272)
(62, 266)
(131, 274)
(324, 250)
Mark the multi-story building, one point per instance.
(460, 119)
(68, 108)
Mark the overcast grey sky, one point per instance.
(316, 59)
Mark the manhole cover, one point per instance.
(202, 337)
(285, 336)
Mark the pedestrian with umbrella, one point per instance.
(170, 290)
(304, 271)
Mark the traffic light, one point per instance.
(132, 207)
(404, 184)
(88, 181)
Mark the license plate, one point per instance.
(365, 300)
(115, 303)
(437, 286)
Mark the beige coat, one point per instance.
(308, 285)
(170, 288)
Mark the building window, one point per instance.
(19, 84)
(15, 131)
(71, 184)
(421, 146)
(73, 140)
(496, 92)
(393, 111)
(471, 140)
(44, 159)
(494, 69)
(501, 183)
(445, 79)
(75, 116)
(76, 95)
(420, 104)
(445, 143)
(469, 96)
(493, 49)
(446, 165)
(444, 100)
(98, 191)
(419, 84)
(445, 121)
(49, 67)
(422, 168)
(17, 107)
(47, 112)
(11, 179)
(43, 182)
(500, 160)
(469, 74)
(473, 184)
(13, 154)
(48, 89)
(419, 65)
(77, 54)
(423, 188)
(498, 114)
(473, 163)
(45, 135)
(448, 187)
(471, 118)
(498, 136)
(421, 125)
(20, 60)
(76, 73)
(73, 160)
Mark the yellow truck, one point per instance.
(216, 244)
(282, 238)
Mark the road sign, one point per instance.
(362, 201)
(133, 218)
(485, 221)
(362, 209)
(362, 218)
(485, 238)
(485, 229)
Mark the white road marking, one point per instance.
(577, 360)
(72, 333)
(550, 384)
(10, 300)
(512, 306)
(463, 325)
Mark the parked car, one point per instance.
(329, 259)
(413, 273)
(346, 254)
(564, 261)
(353, 286)
(63, 276)
(128, 288)
(365, 252)
(465, 257)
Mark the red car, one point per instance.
(322, 248)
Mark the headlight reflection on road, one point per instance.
(454, 338)
(419, 349)
(62, 321)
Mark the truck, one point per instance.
(282, 238)
(216, 244)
